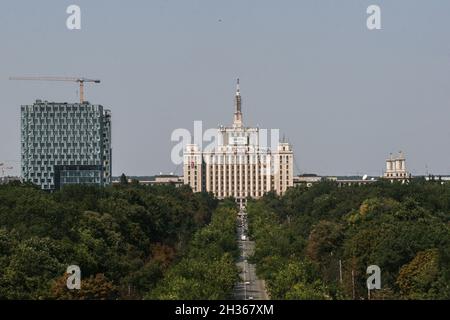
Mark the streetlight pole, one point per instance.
(245, 283)
(353, 284)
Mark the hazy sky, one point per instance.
(344, 96)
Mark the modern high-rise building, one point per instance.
(63, 143)
(239, 165)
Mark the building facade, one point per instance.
(65, 143)
(396, 168)
(238, 165)
(161, 179)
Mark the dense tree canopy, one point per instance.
(124, 238)
(164, 242)
(208, 270)
(326, 229)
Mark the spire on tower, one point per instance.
(238, 98)
(238, 111)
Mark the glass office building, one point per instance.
(64, 143)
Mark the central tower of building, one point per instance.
(237, 123)
(238, 165)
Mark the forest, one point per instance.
(317, 242)
(130, 242)
(162, 242)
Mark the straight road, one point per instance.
(250, 287)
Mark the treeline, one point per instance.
(208, 270)
(316, 243)
(125, 240)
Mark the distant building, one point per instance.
(396, 168)
(162, 179)
(239, 166)
(355, 181)
(306, 180)
(436, 178)
(168, 179)
(65, 143)
(309, 180)
(8, 179)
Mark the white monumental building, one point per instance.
(238, 165)
(396, 168)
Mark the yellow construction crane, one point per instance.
(81, 81)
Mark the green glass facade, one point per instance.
(65, 144)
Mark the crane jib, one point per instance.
(80, 80)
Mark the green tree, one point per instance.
(422, 278)
(96, 287)
(298, 281)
